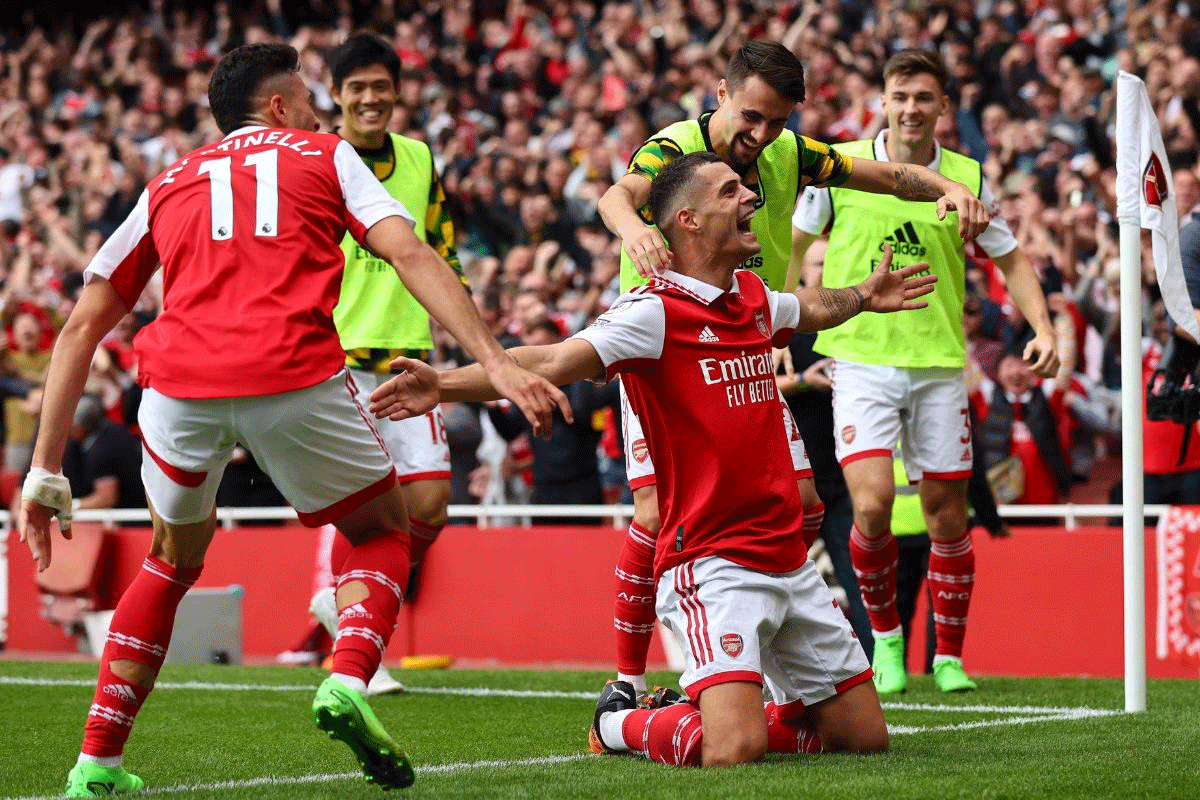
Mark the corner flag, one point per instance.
(1146, 194)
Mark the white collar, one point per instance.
(704, 292)
(880, 150)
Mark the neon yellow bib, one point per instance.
(778, 176)
(375, 310)
(862, 222)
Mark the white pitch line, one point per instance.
(299, 780)
(307, 687)
(527, 693)
(1067, 715)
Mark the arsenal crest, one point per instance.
(1154, 182)
(731, 643)
(760, 322)
(640, 450)
(848, 433)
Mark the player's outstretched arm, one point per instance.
(643, 244)
(915, 182)
(1019, 275)
(560, 364)
(46, 493)
(884, 290)
(431, 280)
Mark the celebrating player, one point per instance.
(763, 83)
(903, 380)
(732, 574)
(245, 351)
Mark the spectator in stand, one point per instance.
(108, 473)
(26, 362)
(1019, 433)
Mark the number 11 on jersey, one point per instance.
(265, 164)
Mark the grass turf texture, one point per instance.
(525, 737)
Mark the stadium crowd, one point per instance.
(533, 109)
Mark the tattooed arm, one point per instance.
(884, 290)
(921, 184)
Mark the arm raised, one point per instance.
(914, 182)
(883, 291)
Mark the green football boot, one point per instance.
(888, 665)
(344, 714)
(949, 676)
(89, 779)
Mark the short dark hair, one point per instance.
(915, 61)
(239, 74)
(362, 50)
(771, 61)
(673, 179)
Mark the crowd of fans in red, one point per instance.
(533, 110)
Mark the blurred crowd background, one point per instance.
(533, 109)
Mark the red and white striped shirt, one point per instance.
(695, 361)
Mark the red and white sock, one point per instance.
(633, 612)
(365, 627)
(423, 536)
(670, 735)
(788, 733)
(814, 515)
(951, 581)
(140, 631)
(875, 562)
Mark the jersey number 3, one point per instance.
(265, 164)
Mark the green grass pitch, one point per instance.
(244, 732)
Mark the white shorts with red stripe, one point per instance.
(639, 467)
(318, 445)
(734, 623)
(924, 410)
(418, 444)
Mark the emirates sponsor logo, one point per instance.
(848, 434)
(731, 643)
(641, 451)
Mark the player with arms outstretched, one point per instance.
(763, 83)
(733, 578)
(245, 351)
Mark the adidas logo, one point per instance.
(121, 692)
(707, 335)
(354, 611)
(905, 242)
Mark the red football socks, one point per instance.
(670, 735)
(633, 614)
(875, 562)
(951, 580)
(140, 631)
(365, 627)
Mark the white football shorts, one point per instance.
(418, 444)
(738, 624)
(318, 446)
(924, 410)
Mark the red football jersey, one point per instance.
(247, 231)
(696, 364)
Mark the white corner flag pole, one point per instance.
(1132, 510)
(1145, 199)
